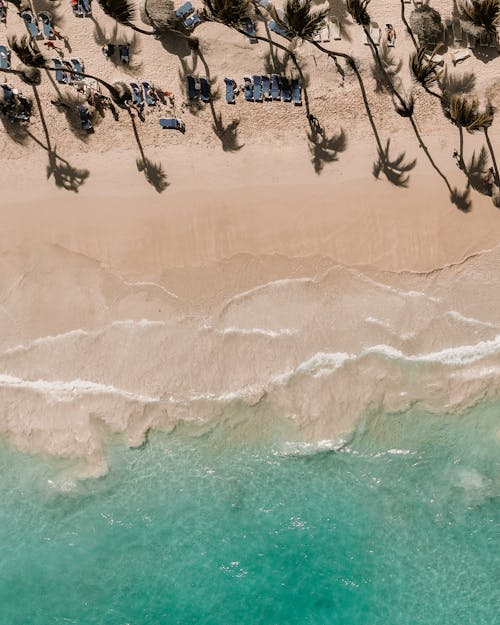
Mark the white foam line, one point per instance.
(74, 388)
(471, 320)
(153, 284)
(262, 287)
(257, 331)
(44, 340)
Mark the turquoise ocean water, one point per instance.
(400, 527)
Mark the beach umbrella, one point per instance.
(426, 24)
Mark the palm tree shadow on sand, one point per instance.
(476, 171)
(153, 172)
(395, 169)
(324, 149)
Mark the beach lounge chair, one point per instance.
(275, 87)
(192, 21)
(266, 88)
(108, 50)
(471, 40)
(484, 39)
(335, 28)
(77, 65)
(191, 87)
(4, 57)
(46, 19)
(257, 88)
(325, 33)
(204, 90)
(456, 29)
(391, 35)
(61, 75)
(149, 94)
(248, 88)
(263, 3)
(286, 89)
(136, 94)
(83, 111)
(460, 55)
(24, 111)
(184, 10)
(250, 31)
(124, 53)
(8, 95)
(230, 90)
(172, 123)
(375, 32)
(3, 11)
(85, 7)
(296, 92)
(31, 24)
(274, 28)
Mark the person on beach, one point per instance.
(52, 46)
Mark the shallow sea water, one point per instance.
(399, 527)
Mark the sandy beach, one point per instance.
(268, 272)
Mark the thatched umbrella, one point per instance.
(28, 74)
(426, 24)
(160, 14)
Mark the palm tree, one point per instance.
(405, 22)
(425, 71)
(232, 13)
(123, 11)
(32, 58)
(299, 18)
(480, 16)
(483, 121)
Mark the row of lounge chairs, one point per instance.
(123, 50)
(143, 93)
(259, 88)
(31, 21)
(330, 29)
(81, 8)
(187, 14)
(14, 105)
(65, 77)
(198, 88)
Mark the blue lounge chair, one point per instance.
(192, 21)
(84, 117)
(8, 96)
(124, 54)
(263, 3)
(172, 123)
(191, 83)
(257, 88)
(47, 28)
(184, 10)
(275, 87)
(296, 92)
(136, 94)
(4, 57)
(230, 90)
(85, 7)
(286, 90)
(31, 24)
(205, 93)
(273, 27)
(78, 67)
(266, 87)
(248, 88)
(24, 112)
(250, 30)
(149, 94)
(61, 75)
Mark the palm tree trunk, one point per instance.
(408, 28)
(352, 63)
(138, 29)
(492, 155)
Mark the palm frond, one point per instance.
(229, 12)
(122, 11)
(25, 52)
(480, 15)
(358, 10)
(425, 69)
(299, 18)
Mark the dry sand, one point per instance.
(251, 280)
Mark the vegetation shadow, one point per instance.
(395, 169)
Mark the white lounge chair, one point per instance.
(375, 32)
(336, 34)
(325, 33)
(460, 55)
(456, 29)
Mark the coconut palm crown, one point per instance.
(464, 111)
(123, 11)
(426, 71)
(478, 16)
(358, 11)
(299, 18)
(232, 13)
